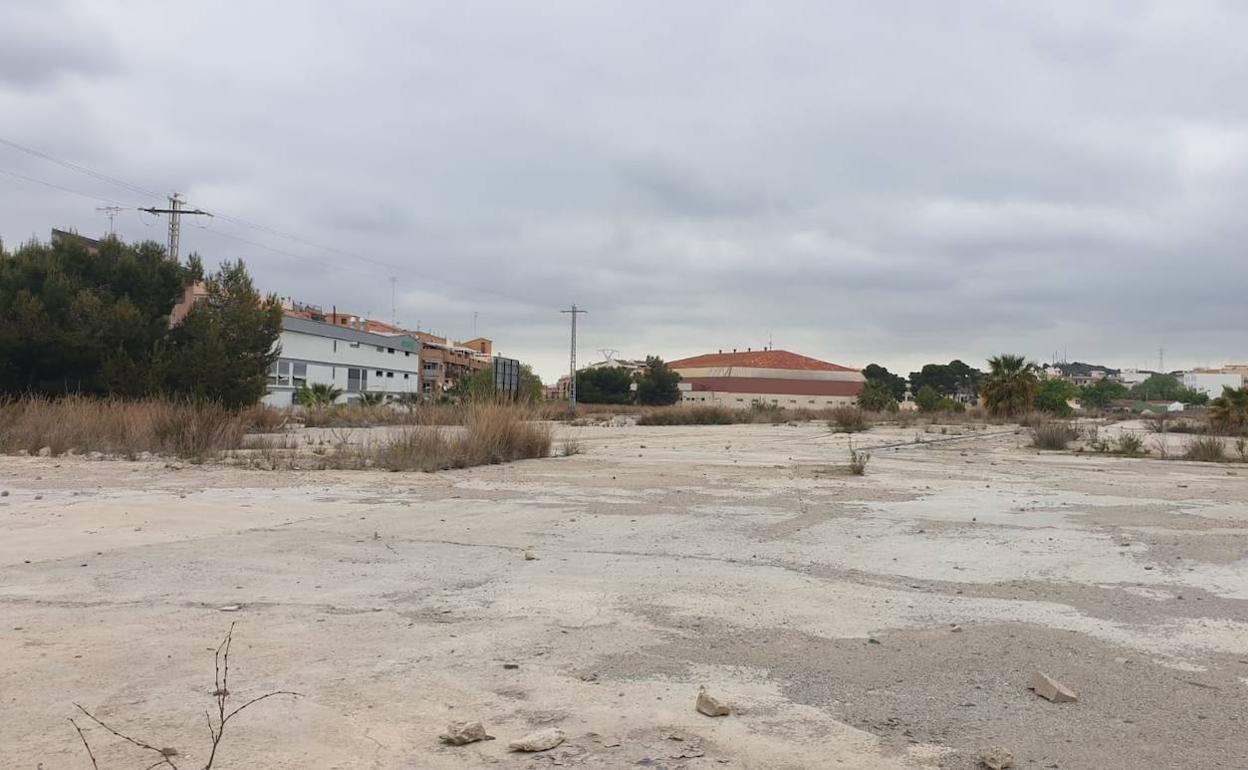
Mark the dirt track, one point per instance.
(819, 604)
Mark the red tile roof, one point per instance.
(759, 359)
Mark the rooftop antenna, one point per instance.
(474, 324)
(1161, 360)
(111, 212)
(608, 354)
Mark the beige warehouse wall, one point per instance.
(745, 400)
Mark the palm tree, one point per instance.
(371, 399)
(317, 395)
(1010, 386)
(1229, 411)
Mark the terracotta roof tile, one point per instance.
(759, 359)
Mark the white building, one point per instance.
(1211, 381)
(1131, 377)
(352, 360)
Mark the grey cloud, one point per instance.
(866, 182)
(41, 42)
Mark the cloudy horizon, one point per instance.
(898, 183)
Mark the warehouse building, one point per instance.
(769, 377)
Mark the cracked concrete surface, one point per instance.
(819, 604)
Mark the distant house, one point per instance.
(768, 377)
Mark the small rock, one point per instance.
(230, 608)
(710, 705)
(461, 733)
(511, 666)
(530, 556)
(45, 451)
(1048, 689)
(4, 493)
(996, 758)
(955, 628)
(38, 497)
(541, 740)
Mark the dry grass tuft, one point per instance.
(1055, 435)
(858, 460)
(491, 434)
(693, 415)
(849, 419)
(1209, 449)
(113, 426)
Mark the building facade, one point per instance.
(767, 377)
(1211, 381)
(354, 361)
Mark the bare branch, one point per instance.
(85, 745)
(216, 729)
(262, 697)
(164, 753)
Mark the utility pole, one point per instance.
(110, 212)
(175, 212)
(572, 363)
(1161, 360)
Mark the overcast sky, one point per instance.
(892, 182)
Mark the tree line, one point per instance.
(97, 323)
(1012, 385)
(656, 385)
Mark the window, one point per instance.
(406, 375)
(279, 373)
(379, 373)
(390, 351)
(355, 344)
(390, 375)
(357, 380)
(380, 348)
(407, 353)
(335, 345)
(299, 374)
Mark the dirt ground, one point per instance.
(885, 621)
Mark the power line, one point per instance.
(25, 178)
(391, 268)
(79, 168)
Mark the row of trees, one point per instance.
(947, 387)
(97, 323)
(656, 385)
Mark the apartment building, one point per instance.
(352, 360)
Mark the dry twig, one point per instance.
(216, 731)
